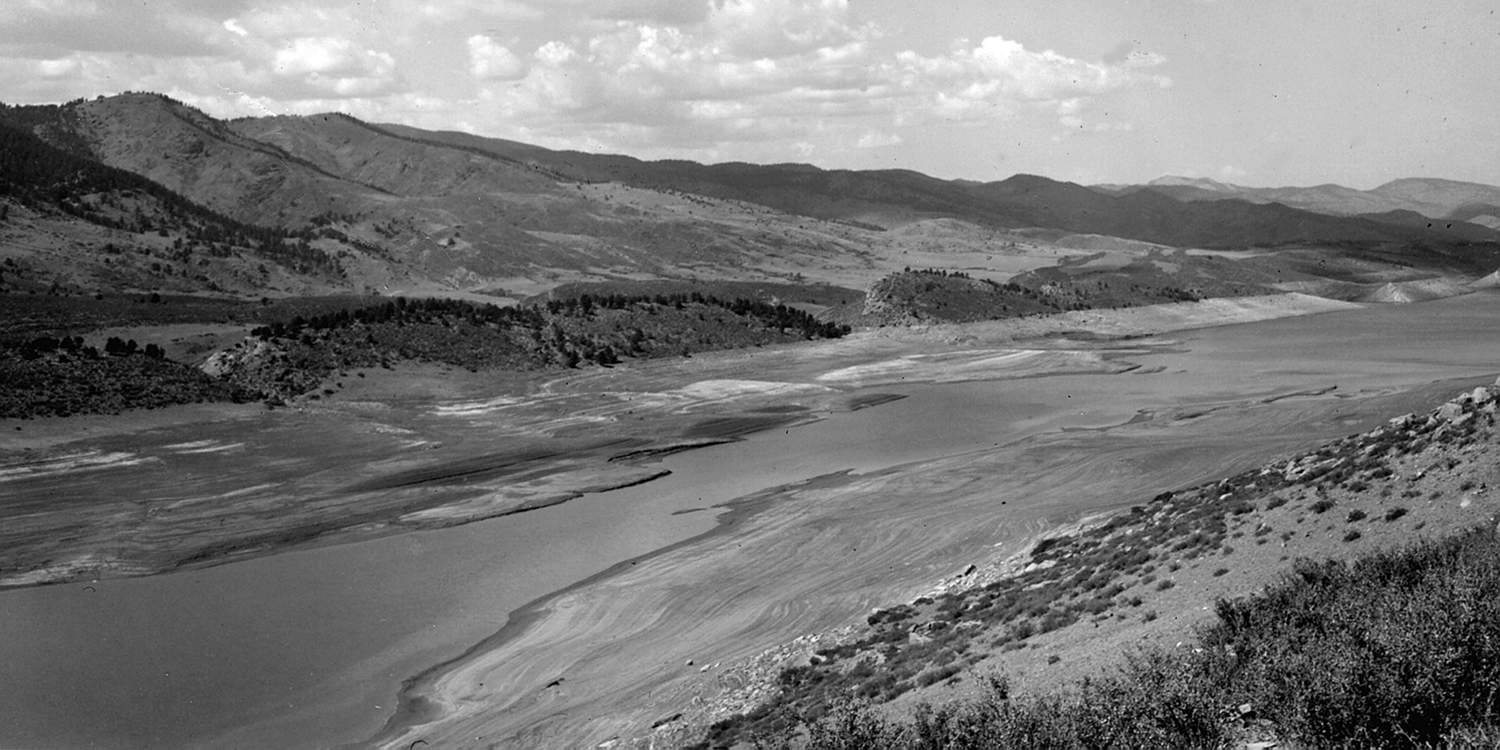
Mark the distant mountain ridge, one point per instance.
(1431, 197)
(893, 197)
(397, 207)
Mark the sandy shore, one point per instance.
(421, 447)
(613, 656)
(610, 657)
(427, 446)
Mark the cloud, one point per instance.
(782, 70)
(873, 139)
(490, 60)
(706, 78)
(444, 11)
(335, 65)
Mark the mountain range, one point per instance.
(1436, 199)
(299, 204)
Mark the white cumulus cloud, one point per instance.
(490, 60)
(697, 78)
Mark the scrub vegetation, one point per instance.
(1394, 649)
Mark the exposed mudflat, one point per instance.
(614, 657)
(429, 446)
(1005, 428)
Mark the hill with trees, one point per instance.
(293, 357)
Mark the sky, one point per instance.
(1253, 92)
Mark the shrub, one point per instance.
(1352, 535)
(1397, 649)
(1355, 515)
(1395, 645)
(1395, 513)
(1321, 506)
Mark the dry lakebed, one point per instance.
(561, 560)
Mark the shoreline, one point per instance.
(1122, 323)
(1451, 427)
(417, 704)
(454, 512)
(780, 368)
(414, 699)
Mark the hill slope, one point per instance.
(403, 208)
(894, 197)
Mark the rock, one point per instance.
(1448, 411)
(1480, 395)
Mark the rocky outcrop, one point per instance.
(261, 366)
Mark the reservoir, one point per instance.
(308, 648)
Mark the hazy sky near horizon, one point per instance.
(1256, 92)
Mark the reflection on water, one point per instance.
(307, 648)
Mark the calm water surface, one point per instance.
(307, 649)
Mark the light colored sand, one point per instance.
(609, 659)
(984, 364)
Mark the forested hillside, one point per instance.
(36, 174)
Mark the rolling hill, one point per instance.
(394, 208)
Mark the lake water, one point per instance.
(307, 648)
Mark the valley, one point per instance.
(319, 432)
(1001, 407)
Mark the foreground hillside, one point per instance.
(1331, 654)
(1396, 648)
